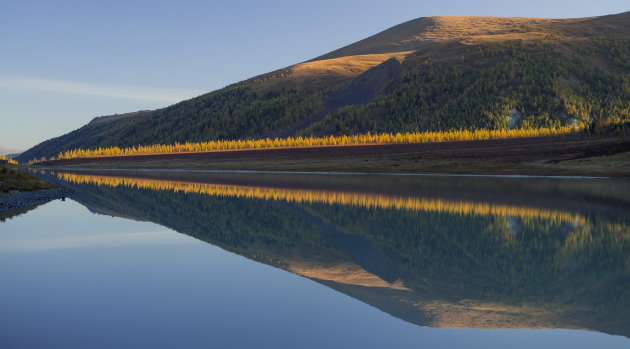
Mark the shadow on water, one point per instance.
(434, 251)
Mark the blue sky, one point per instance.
(63, 63)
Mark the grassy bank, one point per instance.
(13, 179)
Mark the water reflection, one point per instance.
(459, 253)
(355, 199)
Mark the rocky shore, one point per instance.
(15, 200)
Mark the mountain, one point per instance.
(431, 73)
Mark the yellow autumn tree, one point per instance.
(357, 139)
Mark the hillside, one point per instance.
(432, 73)
(13, 179)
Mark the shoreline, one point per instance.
(579, 155)
(317, 173)
(17, 200)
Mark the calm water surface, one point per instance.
(250, 260)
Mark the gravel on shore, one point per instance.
(20, 199)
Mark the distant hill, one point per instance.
(431, 73)
(10, 153)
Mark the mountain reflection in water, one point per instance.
(434, 251)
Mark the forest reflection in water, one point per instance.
(434, 251)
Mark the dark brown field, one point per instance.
(566, 155)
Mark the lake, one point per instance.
(214, 259)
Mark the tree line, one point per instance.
(312, 141)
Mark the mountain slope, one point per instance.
(455, 72)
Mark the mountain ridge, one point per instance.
(582, 62)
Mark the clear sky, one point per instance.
(64, 62)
